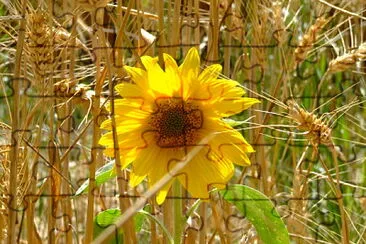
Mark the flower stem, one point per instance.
(178, 206)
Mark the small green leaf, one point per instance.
(233, 122)
(105, 219)
(260, 211)
(102, 175)
(110, 216)
(139, 220)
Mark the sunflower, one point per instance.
(166, 113)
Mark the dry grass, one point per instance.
(305, 60)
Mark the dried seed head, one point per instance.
(317, 131)
(342, 63)
(309, 39)
(45, 43)
(70, 89)
(39, 44)
(278, 22)
(347, 60)
(234, 20)
(361, 52)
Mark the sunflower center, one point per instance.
(176, 122)
(173, 122)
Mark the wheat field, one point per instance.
(305, 61)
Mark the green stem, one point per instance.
(178, 206)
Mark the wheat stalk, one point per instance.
(318, 132)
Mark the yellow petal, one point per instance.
(201, 174)
(124, 125)
(234, 92)
(123, 104)
(160, 197)
(227, 143)
(127, 140)
(203, 87)
(234, 153)
(149, 62)
(188, 72)
(160, 169)
(135, 179)
(149, 158)
(158, 81)
(128, 90)
(225, 88)
(228, 136)
(139, 76)
(210, 73)
(227, 107)
(155, 175)
(131, 109)
(171, 71)
(191, 63)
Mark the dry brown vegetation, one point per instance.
(305, 60)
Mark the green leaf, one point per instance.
(102, 175)
(260, 211)
(110, 216)
(105, 219)
(139, 220)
